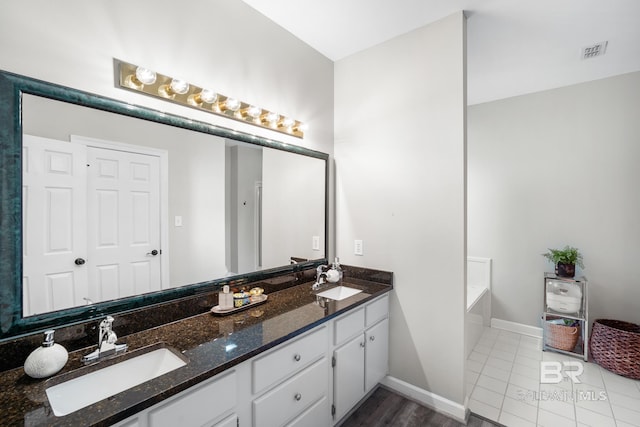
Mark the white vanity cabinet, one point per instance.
(361, 356)
(291, 384)
(210, 403)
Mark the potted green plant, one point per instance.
(565, 260)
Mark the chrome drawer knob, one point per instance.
(362, 344)
(298, 396)
(297, 357)
(372, 338)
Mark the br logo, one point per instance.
(551, 372)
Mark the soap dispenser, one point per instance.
(46, 360)
(225, 298)
(335, 273)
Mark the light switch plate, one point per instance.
(357, 247)
(315, 243)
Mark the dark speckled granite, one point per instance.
(202, 338)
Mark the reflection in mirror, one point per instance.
(115, 206)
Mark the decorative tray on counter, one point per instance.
(257, 300)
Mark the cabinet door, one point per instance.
(348, 376)
(376, 354)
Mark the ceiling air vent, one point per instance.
(592, 51)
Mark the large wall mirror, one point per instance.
(108, 206)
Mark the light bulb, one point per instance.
(254, 112)
(301, 127)
(145, 76)
(205, 95)
(176, 87)
(272, 118)
(231, 104)
(287, 122)
(179, 86)
(142, 76)
(208, 96)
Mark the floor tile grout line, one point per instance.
(510, 373)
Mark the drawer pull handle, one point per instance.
(297, 357)
(298, 396)
(372, 338)
(362, 344)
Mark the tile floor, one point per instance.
(503, 374)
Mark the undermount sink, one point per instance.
(90, 388)
(339, 293)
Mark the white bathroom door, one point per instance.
(54, 220)
(123, 223)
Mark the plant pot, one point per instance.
(565, 270)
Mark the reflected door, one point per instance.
(91, 224)
(54, 225)
(123, 223)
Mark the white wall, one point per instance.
(400, 187)
(555, 168)
(224, 44)
(291, 184)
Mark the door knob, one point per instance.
(153, 252)
(79, 261)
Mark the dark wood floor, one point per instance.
(385, 408)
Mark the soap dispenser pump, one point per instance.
(46, 360)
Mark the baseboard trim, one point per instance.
(516, 327)
(431, 400)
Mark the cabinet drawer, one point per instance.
(201, 406)
(316, 416)
(377, 310)
(348, 326)
(230, 421)
(281, 363)
(292, 397)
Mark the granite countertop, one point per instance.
(211, 344)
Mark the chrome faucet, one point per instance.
(106, 342)
(321, 277)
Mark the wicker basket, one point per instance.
(561, 336)
(615, 345)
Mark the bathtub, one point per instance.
(478, 300)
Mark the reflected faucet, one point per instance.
(106, 342)
(321, 277)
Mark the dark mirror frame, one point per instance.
(12, 323)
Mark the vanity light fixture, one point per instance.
(151, 83)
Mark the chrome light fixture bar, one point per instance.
(142, 80)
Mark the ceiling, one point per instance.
(514, 47)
